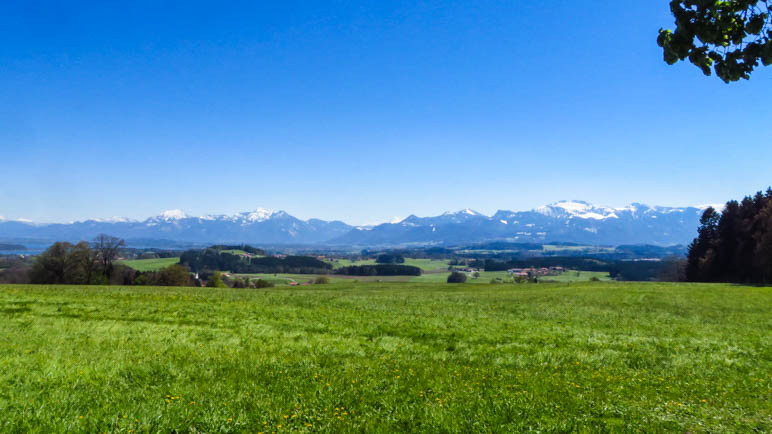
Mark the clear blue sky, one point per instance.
(362, 111)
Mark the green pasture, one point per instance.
(578, 276)
(149, 264)
(387, 357)
(486, 276)
(285, 279)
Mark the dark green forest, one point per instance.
(734, 245)
(216, 259)
(379, 270)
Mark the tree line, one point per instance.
(669, 269)
(94, 263)
(216, 259)
(82, 263)
(390, 258)
(244, 247)
(379, 270)
(734, 245)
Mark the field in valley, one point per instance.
(434, 271)
(387, 357)
(149, 264)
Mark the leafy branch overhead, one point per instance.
(731, 37)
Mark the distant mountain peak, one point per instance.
(173, 214)
(113, 219)
(576, 209)
(463, 212)
(573, 204)
(258, 215)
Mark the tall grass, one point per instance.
(391, 357)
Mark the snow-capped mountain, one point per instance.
(567, 221)
(259, 226)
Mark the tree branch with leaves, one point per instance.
(728, 37)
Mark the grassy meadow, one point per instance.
(149, 264)
(387, 357)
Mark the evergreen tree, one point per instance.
(736, 245)
(701, 249)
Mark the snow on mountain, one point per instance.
(569, 221)
(258, 215)
(172, 214)
(259, 226)
(463, 212)
(716, 206)
(576, 209)
(111, 220)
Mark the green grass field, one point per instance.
(486, 276)
(392, 357)
(428, 277)
(149, 264)
(578, 276)
(284, 279)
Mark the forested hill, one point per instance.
(216, 259)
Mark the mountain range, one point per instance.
(565, 221)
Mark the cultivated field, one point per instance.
(150, 264)
(391, 357)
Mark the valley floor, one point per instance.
(387, 357)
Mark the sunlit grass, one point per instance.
(389, 357)
(149, 264)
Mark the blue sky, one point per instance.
(362, 111)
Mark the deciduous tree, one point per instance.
(729, 37)
(107, 247)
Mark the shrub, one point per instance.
(173, 275)
(216, 281)
(457, 277)
(321, 280)
(141, 279)
(240, 283)
(260, 283)
(388, 258)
